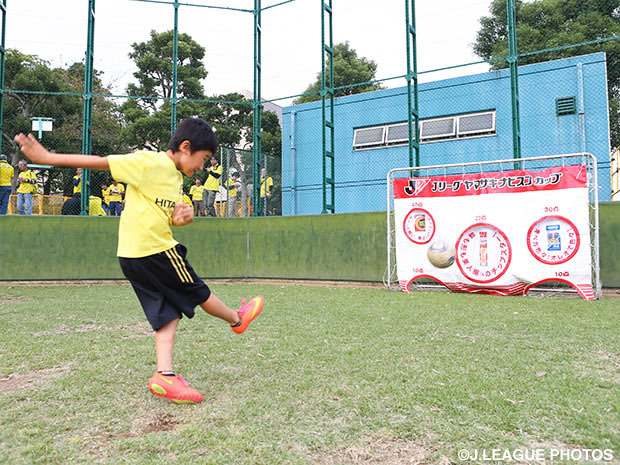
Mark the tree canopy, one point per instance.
(349, 69)
(543, 24)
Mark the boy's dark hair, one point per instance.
(198, 132)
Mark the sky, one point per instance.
(291, 38)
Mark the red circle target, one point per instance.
(553, 240)
(483, 253)
(419, 226)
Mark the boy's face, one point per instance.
(193, 162)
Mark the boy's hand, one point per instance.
(33, 149)
(182, 214)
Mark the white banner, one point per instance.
(507, 231)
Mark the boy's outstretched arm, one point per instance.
(35, 152)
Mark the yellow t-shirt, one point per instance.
(94, 206)
(213, 183)
(6, 174)
(154, 186)
(196, 192)
(115, 193)
(262, 186)
(26, 187)
(232, 190)
(105, 193)
(77, 187)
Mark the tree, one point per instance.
(543, 24)
(149, 114)
(349, 69)
(155, 73)
(49, 95)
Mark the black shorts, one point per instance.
(166, 285)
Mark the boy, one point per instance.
(153, 262)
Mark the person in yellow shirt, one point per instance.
(196, 191)
(155, 264)
(27, 186)
(77, 182)
(73, 206)
(105, 198)
(265, 191)
(233, 185)
(115, 193)
(212, 185)
(6, 176)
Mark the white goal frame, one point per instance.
(390, 279)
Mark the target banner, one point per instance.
(495, 233)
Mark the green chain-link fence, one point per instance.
(564, 99)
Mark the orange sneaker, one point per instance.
(174, 388)
(247, 312)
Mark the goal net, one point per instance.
(503, 227)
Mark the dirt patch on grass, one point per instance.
(138, 330)
(378, 451)
(33, 380)
(162, 422)
(5, 299)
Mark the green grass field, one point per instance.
(326, 375)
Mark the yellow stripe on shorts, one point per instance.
(182, 266)
(176, 267)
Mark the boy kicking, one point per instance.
(154, 263)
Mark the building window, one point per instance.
(365, 137)
(463, 126)
(397, 133)
(437, 128)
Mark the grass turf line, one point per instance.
(324, 376)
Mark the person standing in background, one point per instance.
(212, 185)
(265, 191)
(6, 176)
(197, 191)
(115, 193)
(77, 182)
(233, 185)
(27, 186)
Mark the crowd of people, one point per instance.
(203, 197)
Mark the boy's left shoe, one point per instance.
(174, 388)
(248, 311)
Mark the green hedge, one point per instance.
(334, 247)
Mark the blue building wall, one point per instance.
(361, 174)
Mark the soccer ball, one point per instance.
(441, 254)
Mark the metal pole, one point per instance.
(514, 78)
(175, 65)
(88, 105)
(327, 90)
(2, 60)
(412, 85)
(256, 110)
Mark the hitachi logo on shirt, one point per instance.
(164, 203)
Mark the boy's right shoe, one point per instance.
(174, 388)
(248, 311)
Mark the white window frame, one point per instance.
(478, 131)
(446, 135)
(369, 144)
(396, 141)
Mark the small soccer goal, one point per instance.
(502, 227)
